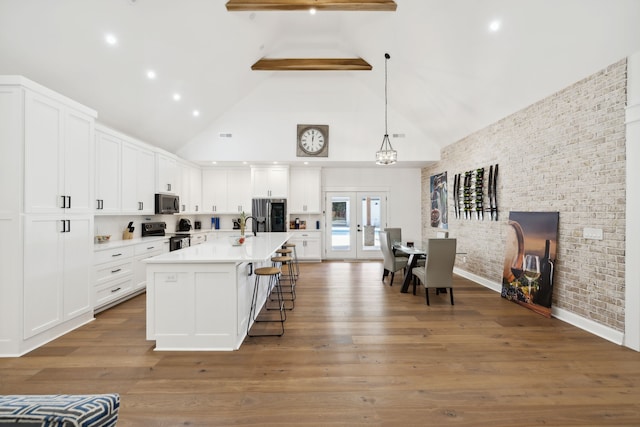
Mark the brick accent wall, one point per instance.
(565, 153)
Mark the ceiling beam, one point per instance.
(341, 5)
(311, 64)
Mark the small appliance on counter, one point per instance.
(184, 225)
(236, 223)
(197, 225)
(153, 229)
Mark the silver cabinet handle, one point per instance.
(115, 290)
(116, 270)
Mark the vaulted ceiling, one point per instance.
(449, 75)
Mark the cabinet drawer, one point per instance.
(112, 290)
(151, 247)
(114, 254)
(113, 270)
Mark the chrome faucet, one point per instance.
(255, 223)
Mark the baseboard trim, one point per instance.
(566, 316)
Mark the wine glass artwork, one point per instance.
(531, 268)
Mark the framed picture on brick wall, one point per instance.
(438, 188)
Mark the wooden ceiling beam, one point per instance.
(283, 5)
(311, 64)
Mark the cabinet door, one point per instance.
(78, 161)
(184, 191)
(279, 182)
(239, 190)
(129, 161)
(270, 182)
(195, 189)
(304, 191)
(167, 170)
(214, 190)
(108, 174)
(312, 248)
(144, 179)
(78, 258)
(43, 155)
(43, 274)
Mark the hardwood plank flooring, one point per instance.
(355, 352)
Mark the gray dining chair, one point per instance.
(391, 262)
(394, 234)
(438, 269)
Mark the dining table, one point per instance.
(415, 253)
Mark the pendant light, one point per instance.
(386, 155)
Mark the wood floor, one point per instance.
(355, 352)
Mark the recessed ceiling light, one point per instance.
(151, 74)
(312, 11)
(111, 39)
(196, 113)
(495, 25)
(214, 163)
(306, 163)
(177, 97)
(245, 163)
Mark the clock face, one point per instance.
(313, 140)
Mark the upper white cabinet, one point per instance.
(269, 182)
(226, 191)
(125, 171)
(190, 191)
(167, 174)
(305, 190)
(58, 156)
(137, 179)
(108, 150)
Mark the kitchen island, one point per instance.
(199, 298)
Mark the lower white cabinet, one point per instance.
(119, 272)
(57, 259)
(308, 245)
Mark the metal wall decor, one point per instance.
(468, 194)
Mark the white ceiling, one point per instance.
(448, 76)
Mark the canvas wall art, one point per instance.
(438, 188)
(530, 255)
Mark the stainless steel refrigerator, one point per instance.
(270, 214)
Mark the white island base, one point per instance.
(199, 298)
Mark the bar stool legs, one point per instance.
(273, 273)
(281, 261)
(295, 257)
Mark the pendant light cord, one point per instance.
(386, 59)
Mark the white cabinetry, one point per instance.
(226, 190)
(305, 189)
(190, 191)
(47, 155)
(137, 179)
(270, 181)
(58, 156)
(57, 261)
(107, 173)
(124, 175)
(166, 174)
(308, 245)
(120, 272)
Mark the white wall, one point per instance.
(403, 187)
(264, 124)
(632, 250)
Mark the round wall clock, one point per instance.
(313, 141)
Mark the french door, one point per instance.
(353, 222)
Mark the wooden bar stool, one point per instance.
(281, 261)
(273, 274)
(288, 245)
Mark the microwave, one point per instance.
(167, 204)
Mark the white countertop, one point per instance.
(120, 243)
(255, 248)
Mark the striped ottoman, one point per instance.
(61, 410)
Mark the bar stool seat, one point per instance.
(291, 279)
(273, 273)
